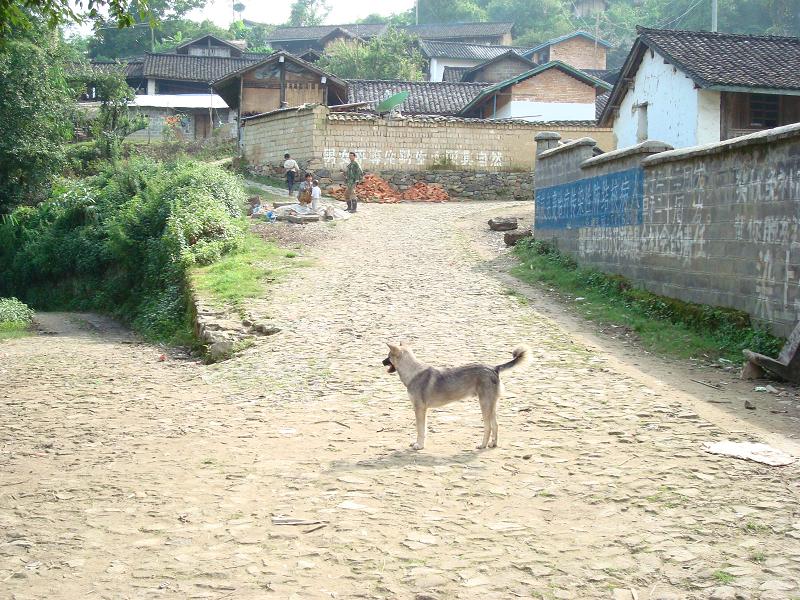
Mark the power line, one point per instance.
(679, 17)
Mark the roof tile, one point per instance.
(425, 97)
(726, 59)
(440, 49)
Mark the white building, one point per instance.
(687, 88)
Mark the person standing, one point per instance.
(316, 196)
(291, 169)
(352, 176)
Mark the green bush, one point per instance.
(122, 241)
(14, 312)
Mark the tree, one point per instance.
(238, 8)
(114, 121)
(453, 11)
(35, 108)
(392, 55)
(534, 22)
(398, 19)
(110, 43)
(255, 35)
(308, 12)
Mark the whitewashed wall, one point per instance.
(438, 65)
(677, 113)
(547, 111)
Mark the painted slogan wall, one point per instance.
(719, 224)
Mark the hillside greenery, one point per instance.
(392, 55)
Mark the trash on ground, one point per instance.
(761, 453)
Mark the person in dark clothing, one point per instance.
(352, 176)
(291, 169)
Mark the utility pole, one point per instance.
(416, 12)
(714, 15)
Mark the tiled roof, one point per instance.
(729, 60)
(184, 67)
(569, 36)
(316, 32)
(600, 103)
(133, 67)
(425, 97)
(437, 49)
(553, 64)
(455, 30)
(355, 116)
(607, 75)
(454, 74)
(366, 30)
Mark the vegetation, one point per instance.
(15, 318)
(392, 55)
(536, 22)
(35, 115)
(662, 324)
(242, 274)
(308, 12)
(123, 241)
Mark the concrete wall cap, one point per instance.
(753, 139)
(547, 135)
(648, 147)
(584, 141)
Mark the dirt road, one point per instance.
(125, 477)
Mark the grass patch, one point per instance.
(11, 330)
(664, 325)
(758, 557)
(723, 576)
(244, 273)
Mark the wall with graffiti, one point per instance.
(716, 224)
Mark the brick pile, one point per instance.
(374, 189)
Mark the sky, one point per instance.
(271, 11)
(276, 12)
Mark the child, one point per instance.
(316, 195)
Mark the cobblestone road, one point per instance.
(125, 477)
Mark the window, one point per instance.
(764, 110)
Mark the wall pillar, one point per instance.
(546, 140)
(151, 87)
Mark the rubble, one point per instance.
(503, 223)
(512, 237)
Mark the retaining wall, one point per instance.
(471, 158)
(715, 224)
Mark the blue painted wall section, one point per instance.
(611, 200)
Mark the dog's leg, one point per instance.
(486, 410)
(421, 414)
(493, 443)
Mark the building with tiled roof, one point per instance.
(296, 39)
(687, 88)
(442, 54)
(454, 74)
(425, 97)
(551, 92)
(579, 49)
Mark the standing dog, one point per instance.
(429, 387)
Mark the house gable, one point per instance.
(498, 69)
(210, 45)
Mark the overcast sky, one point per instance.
(271, 11)
(276, 12)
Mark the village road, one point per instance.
(122, 476)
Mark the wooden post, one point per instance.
(282, 102)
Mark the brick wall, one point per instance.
(320, 141)
(553, 85)
(579, 52)
(716, 224)
(501, 70)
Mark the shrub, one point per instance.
(12, 311)
(122, 241)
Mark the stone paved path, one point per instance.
(125, 477)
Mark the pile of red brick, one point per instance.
(374, 189)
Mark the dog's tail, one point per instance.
(521, 357)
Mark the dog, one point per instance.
(430, 387)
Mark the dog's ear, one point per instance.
(392, 348)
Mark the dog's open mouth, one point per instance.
(388, 363)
